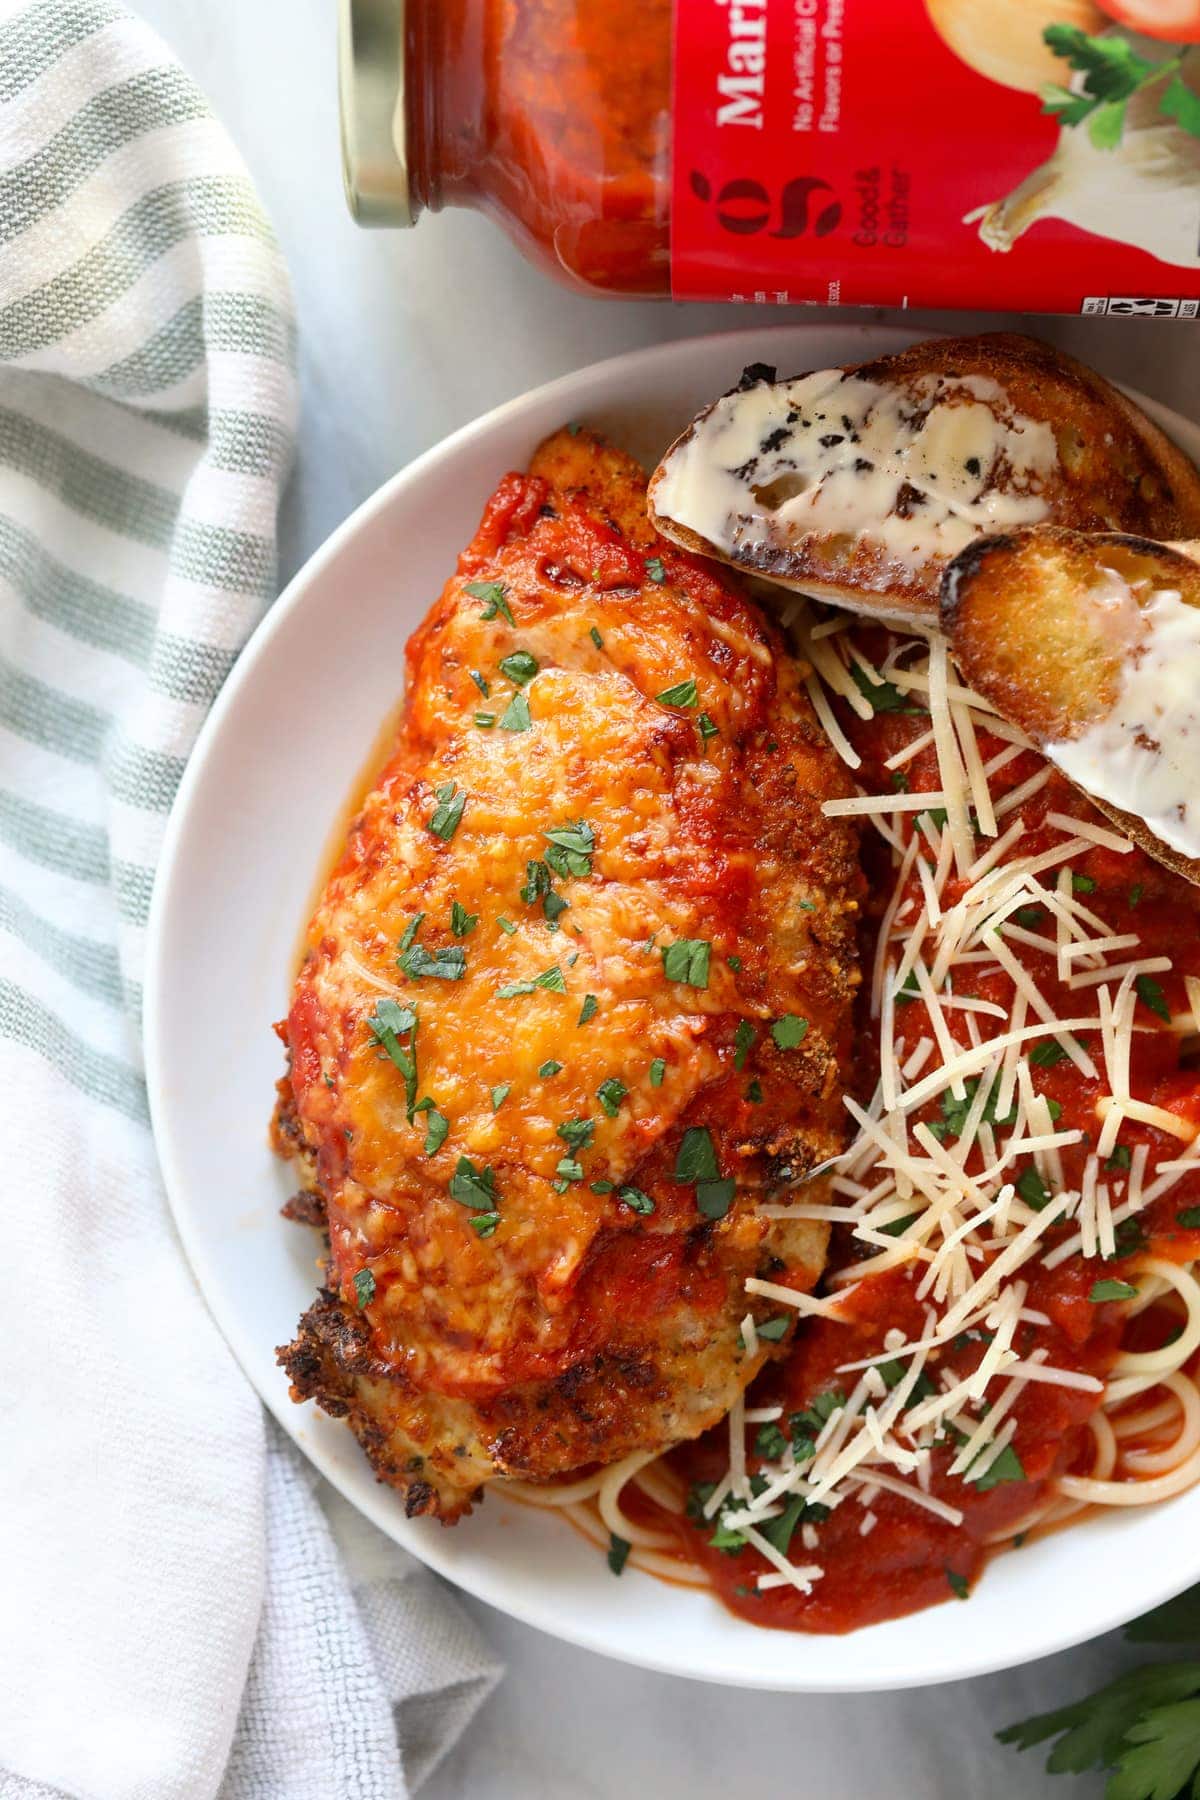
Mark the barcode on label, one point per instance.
(1140, 306)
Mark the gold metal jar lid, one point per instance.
(371, 87)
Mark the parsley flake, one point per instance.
(481, 683)
(462, 923)
(449, 964)
(655, 569)
(1112, 1290)
(549, 1068)
(447, 814)
(1033, 1189)
(551, 979)
(735, 963)
(569, 1170)
(364, 1288)
(658, 1069)
(686, 961)
(389, 1023)
(1189, 1218)
(437, 1130)
(885, 696)
(494, 595)
(610, 1095)
(684, 693)
(1121, 1158)
(1046, 1054)
(789, 1032)
(589, 1009)
(707, 727)
(484, 1224)
(577, 1132)
(1150, 993)
(714, 1198)
(773, 1330)
(743, 1043)
(754, 1093)
(515, 716)
(596, 638)
(618, 1552)
(473, 1187)
(500, 1095)
(959, 1583)
(485, 721)
(572, 847)
(635, 1200)
(507, 927)
(696, 1159)
(520, 667)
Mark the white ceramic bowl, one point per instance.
(267, 781)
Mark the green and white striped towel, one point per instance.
(176, 1620)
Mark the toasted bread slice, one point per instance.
(1091, 644)
(858, 485)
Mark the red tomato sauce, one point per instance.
(911, 1559)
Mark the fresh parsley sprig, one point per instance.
(1144, 1727)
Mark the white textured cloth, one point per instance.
(176, 1620)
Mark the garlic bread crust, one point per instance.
(1043, 623)
(577, 995)
(859, 485)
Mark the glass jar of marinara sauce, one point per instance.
(1029, 154)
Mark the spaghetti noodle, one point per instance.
(1010, 1333)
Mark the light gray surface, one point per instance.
(404, 338)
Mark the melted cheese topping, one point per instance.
(920, 469)
(1144, 755)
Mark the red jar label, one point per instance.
(1026, 155)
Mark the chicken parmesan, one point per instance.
(573, 1012)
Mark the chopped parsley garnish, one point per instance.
(770, 1443)
(684, 693)
(1006, 1467)
(897, 1227)
(520, 667)
(572, 847)
(707, 728)
(618, 1552)
(655, 569)
(596, 638)
(754, 1093)
(1135, 894)
(548, 1068)
(551, 979)
(447, 814)
(714, 1198)
(602, 1186)
(462, 923)
(481, 683)
(569, 1170)
(658, 1069)
(743, 1043)
(515, 716)
(364, 1288)
(410, 931)
(635, 1200)
(1082, 884)
(735, 963)
(577, 1132)
(686, 960)
(437, 1130)
(553, 908)
(774, 1329)
(1121, 1158)
(959, 1583)
(507, 927)
(1030, 916)
(954, 1112)
(610, 1094)
(1047, 1053)
(388, 1025)
(696, 1159)
(589, 1009)
(1150, 993)
(893, 1373)
(789, 1032)
(449, 964)
(485, 721)
(900, 782)
(484, 1224)
(884, 696)
(1130, 1238)
(1112, 1290)
(494, 595)
(500, 1095)
(1033, 1189)
(473, 1187)
(1189, 1218)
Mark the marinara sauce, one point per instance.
(909, 1558)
